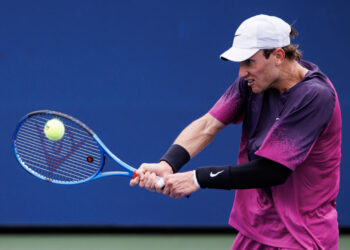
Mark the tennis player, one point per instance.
(287, 177)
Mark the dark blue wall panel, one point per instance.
(137, 72)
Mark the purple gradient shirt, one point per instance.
(301, 129)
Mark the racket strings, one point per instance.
(54, 166)
(28, 138)
(50, 163)
(41, 160)
(79, 132)
(45, 171)
(63, 160)
(85, 140)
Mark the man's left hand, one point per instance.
(180, 184)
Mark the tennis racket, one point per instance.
(78, 157)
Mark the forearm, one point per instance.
(196, 136)
(255, 174)
(191, 141)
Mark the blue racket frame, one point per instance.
(104, 151)
(130, 170)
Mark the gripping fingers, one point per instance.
(150, 183)
(166, 190)
(134, 181)
(145, 182)
(142, 182)
(173, 190)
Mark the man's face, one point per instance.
(259, 72)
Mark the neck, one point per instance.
(291, 74)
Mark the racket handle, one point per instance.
(160, 182)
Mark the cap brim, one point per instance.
(237, 54)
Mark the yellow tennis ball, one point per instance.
(54, 129)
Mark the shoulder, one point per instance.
(313, 98)
(315, 88)
(315, 83)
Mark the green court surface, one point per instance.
(125, 242)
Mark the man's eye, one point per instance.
(249, 61)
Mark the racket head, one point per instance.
(76, 158)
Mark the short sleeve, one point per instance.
(293, 134)
(230, 107)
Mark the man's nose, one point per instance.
(242, 71)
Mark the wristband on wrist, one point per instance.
(176, 157)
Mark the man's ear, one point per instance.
(280, 55)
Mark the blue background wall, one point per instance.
(137, 72)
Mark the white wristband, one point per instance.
(195, 179)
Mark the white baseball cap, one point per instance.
(255, 33)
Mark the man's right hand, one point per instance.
(148, 175)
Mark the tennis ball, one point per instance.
(54, 129)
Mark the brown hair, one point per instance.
(292, 52)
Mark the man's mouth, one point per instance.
(250, 82)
